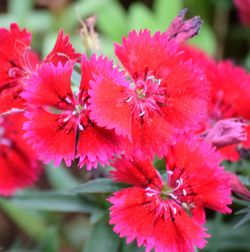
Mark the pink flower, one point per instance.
(59, 126)
(167, 212)
(158, 90)
(19, 167)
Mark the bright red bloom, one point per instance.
(243, 7)
(168, 213)
(230, 96)
(18, 62)
(14, 54)
(18, 165)
(58, 124)
(163, 92)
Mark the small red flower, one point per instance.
(59, 126)
(18, 62)
(158, 91)
(167, 213)
(14, 54)
(243, 7)
(19, 167)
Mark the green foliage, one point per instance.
(100, 185)
(102, 238)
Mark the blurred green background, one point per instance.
(55, 220)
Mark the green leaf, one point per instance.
(102, 239)
(226, 238)
(100, 185)
(55, 201)
(27, 220)
(112, 21)
(20, 8)
(61, 178)
(140, 17)
(50, 241)
(166, 11)
(245, 218)
(39, 21)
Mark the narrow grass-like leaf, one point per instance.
(100, 185)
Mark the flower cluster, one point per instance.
(162, 99)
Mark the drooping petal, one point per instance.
(62, 51)
(19, 167)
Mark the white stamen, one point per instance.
(68, 100)
(151, 77)
(80, 126)
(174, 209)
(172, 195)
(142, 113)
(66, 119)
(129, 99)
(170, 173)
(184, 192)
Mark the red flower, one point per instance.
(243, 7)
(18, 165)
(18, 62)
(14, 54)
(58, 124)
(167, 213)
(230, 96)
(161, 92)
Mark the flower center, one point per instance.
(147, 95)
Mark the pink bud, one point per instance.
(238, 187)
(226, 132)
(181, 30)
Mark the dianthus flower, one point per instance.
(159, 95)
(243, 7)
(59, 126)
(167, 212)
(230, 94)
(18, 61)
(19, 167)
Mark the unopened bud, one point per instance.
(181, 30)
(238, 187)
(226, 132)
